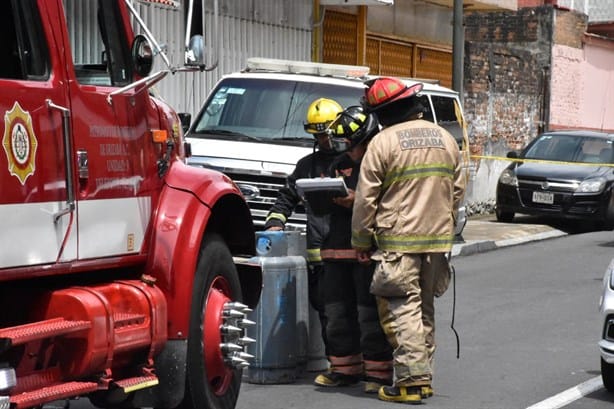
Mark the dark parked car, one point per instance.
(564, 174)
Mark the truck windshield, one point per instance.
(266, 109)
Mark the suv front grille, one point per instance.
(260, 193)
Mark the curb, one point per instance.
(481, 246)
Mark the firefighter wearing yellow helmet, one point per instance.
(357, 346)
(320, 114)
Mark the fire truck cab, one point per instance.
(122, 272)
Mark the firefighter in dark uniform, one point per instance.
(357, 346)
(320, 114)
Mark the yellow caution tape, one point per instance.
(554, 162)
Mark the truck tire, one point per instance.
(607, 375)
(209, 382)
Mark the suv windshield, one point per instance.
(571, 148)
(265, 109)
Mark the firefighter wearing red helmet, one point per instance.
(409, 188)
(357, 347)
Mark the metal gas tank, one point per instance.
(281, 316)
(280, 333)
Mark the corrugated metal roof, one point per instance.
(170, 3)
(260, 28)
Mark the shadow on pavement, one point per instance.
(565, 225)
(601, 395)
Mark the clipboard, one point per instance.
(319, 192)
(327, 184)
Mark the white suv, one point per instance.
(606, 343)
(251, 125)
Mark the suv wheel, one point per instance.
(607, 375)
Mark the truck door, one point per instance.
(115, 162)
(37, 224)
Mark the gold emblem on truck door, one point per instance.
(19, 142)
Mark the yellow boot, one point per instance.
(335, 379)
(401, 394)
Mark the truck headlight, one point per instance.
(508, 177)
(591, 186)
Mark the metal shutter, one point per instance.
(435, 64)
(340, 43)
(384, 55)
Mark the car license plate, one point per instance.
(543, 197)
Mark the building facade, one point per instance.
(526, 72)
(529, 65)
(410, 38)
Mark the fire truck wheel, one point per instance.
(211, 383)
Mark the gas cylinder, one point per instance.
(281, 314)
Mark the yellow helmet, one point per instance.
(320, 114)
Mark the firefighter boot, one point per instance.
(330, 378)
(401, 394)
(377, 374)
(372, 385)
(426, 391)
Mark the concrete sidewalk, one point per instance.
(485, 233)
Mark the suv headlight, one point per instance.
(608, 282)
(609, 277)
(591, 186)
(508, 177)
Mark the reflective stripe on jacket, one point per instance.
(338, 254)
(409, 188)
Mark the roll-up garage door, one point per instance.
(384, 55)
(433, 63)
(340, 38)
(387, 56)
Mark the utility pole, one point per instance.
(458, 48)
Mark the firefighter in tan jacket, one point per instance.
(409, 188)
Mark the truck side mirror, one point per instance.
(185, 119)
(142, 56)
(512, 155)
(195, 54)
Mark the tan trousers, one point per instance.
(404, 286)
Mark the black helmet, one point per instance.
(352, 127)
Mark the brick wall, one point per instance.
(530, 3)
(566, 86)
(526, 72)
(507, 58)
(569, 28)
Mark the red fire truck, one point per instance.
(121, 268)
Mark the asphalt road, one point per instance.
(528, 323)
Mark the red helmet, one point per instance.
(385, 90)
